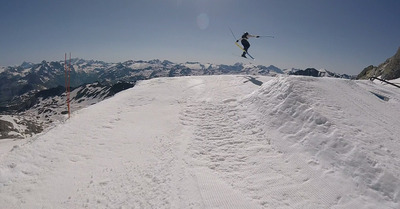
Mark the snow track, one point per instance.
(217, 142)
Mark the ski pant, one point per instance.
(246, 44)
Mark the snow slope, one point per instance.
(217, 142)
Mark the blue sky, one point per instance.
(343, 36)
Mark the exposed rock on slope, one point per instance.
(388, 70)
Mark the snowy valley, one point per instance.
(221, 141)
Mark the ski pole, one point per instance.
(268, 36)
(232, 33)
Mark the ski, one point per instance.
(244, 50)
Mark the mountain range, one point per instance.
(17, 80)
(32, 96)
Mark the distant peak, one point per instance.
(26, 64)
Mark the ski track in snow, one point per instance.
(217, 142)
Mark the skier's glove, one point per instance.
(257, 36)
(237, 40)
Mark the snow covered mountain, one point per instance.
(31, 113)
(21, 85)
(15, 81)
(216, 142)
(319, 73)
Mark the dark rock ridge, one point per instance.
(388, 70)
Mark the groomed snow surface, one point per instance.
(217, 142)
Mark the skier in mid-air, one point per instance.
(245, 43)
